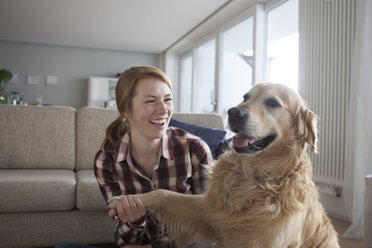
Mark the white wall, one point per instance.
(71, 65)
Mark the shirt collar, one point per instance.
(123, 147)
(166, 146)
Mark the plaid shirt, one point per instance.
(183, 158)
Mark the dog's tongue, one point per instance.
(240, 140)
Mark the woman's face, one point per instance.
(152, 108)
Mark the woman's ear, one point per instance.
(125, 116)
(307, 128)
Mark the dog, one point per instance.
(260, 192)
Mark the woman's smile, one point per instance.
(159, 123)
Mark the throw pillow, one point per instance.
(211, 136)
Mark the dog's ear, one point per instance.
(306, 123)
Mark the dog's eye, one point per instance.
(245, 97)
(272, 102)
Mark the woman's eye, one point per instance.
(272, 102)
(149, 101)
(168, 99)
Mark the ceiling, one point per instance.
(129, 25)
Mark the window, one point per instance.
(282, 44)
(237, 64)
(203, 90)
(186, 84)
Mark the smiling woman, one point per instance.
(141, 153)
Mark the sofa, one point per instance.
(48, 192)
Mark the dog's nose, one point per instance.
(237, 114)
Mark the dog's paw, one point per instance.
(112, 201)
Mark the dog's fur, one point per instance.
(264, 198)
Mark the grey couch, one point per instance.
(48, 192)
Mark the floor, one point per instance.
(341, 226)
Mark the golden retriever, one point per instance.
(260, 193)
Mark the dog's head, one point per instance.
(272, 117)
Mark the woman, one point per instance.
(141, 153)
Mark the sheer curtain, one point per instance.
(360, 116)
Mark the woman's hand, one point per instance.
(129, 209)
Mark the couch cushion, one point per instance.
(88, 195)
(91, 128)
(37, 190)
(33, 137)
(210, 120)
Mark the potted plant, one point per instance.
(5, 77)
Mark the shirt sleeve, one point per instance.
(107, 179)
(201, 159)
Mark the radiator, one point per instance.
(326, 29)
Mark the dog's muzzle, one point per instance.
(237, 119)
(243, 142)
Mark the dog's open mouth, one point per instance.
(245, 144)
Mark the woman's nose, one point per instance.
(161, 108)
